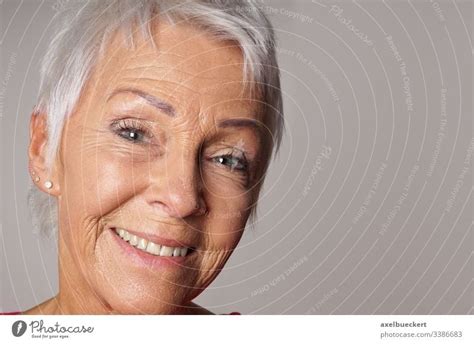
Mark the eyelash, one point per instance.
(242, 161)
(127, 124)
(130, 125)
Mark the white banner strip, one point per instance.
(237, 329)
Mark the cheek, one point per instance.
(224, 230)
(99, 182)
(224, 226)
(94, 185)
(222, 234)
(229, 203)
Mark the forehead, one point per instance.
(186, 63)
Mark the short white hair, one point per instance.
(82, 33)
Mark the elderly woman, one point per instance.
(149, 144)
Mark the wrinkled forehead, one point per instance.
(184, 63)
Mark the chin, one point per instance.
(130, 297)
(129, 289)
(137, 305)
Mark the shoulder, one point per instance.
(47, 307)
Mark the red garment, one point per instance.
(18, 313)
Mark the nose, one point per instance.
(178, 189)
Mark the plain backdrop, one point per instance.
(368, 208)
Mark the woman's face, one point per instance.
(165, 145)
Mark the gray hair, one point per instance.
(84, 29)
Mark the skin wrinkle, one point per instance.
(152, 187)
(157, 103)
(196, 58)
(164, 88)
(201, 74)
(169, 94)
(66, 307)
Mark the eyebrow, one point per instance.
(160, 104)
(169, 110)
(240, 122)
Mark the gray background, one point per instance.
(368, 209)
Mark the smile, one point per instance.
(151, 247)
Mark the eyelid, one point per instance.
(226, 150)
(120, 124)
(231, 151)
(132, 121)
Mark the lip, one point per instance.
(144, 259)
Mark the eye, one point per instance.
(132, 134)
(234, 163)
(131, 130)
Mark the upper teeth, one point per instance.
(151, 247)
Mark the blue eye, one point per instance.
(232, 162)
(131, 130)
(132, 134)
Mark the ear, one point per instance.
(39, 172)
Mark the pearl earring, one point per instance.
(36, 178)
(48, 184)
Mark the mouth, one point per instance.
(152, 247)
